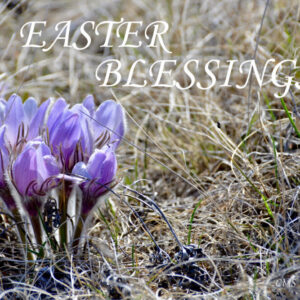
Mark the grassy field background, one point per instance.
(222, 164)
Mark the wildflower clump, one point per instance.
(48, 151)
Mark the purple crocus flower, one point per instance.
(68, 135)
(18, 123)
(109, 117)
(99, 174)
(39, 155)
(74, 133)
(23, 121)
(34, 174)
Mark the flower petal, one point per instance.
(89, 104)
(109, 168)
(102, 168)
(86, 137)
(39, 166)
(110, 116)
(30, 109)
(56, 112)
(41, 171)
(65, 137)
(14, 116)
(80, 169)
(25, 163)
(48, 169)
(38, 120)
(95, 163)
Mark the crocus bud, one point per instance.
(34, 174)
(99, 174)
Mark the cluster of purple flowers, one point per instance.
(42, 146)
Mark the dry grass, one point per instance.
(189, 154)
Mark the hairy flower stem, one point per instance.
(63, 206)
(63, 213)
(78, 232)
(21, 232)
(36, 226)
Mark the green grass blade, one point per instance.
(191, 222)
(290, 117)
